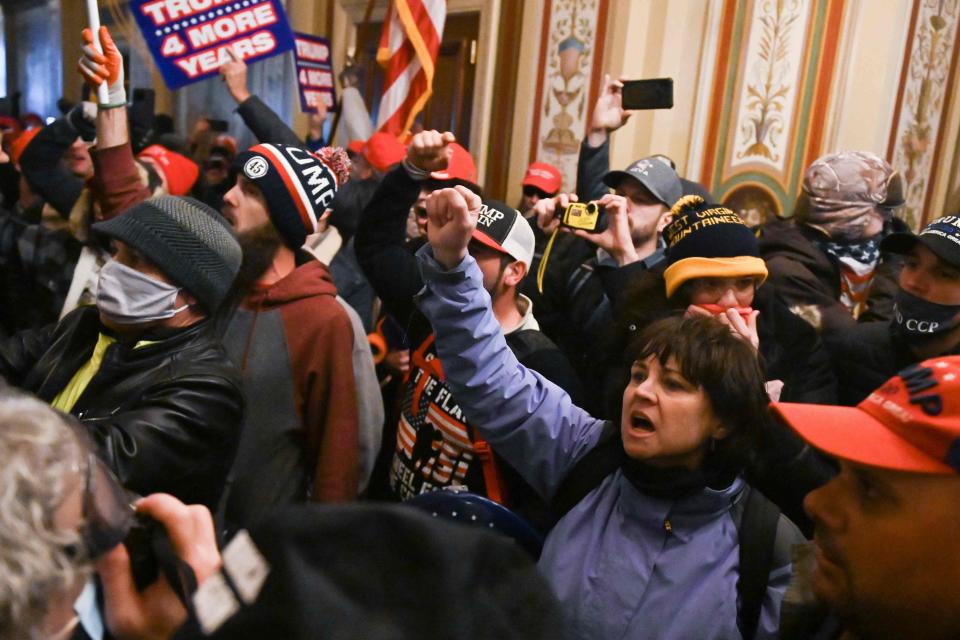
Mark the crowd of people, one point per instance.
(244, 392)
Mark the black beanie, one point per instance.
(297, 184)
(187, 240)
(709, 241)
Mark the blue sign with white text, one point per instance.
(314, 72)
(190, 39)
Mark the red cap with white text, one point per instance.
(911, 423)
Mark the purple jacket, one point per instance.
(611, 560)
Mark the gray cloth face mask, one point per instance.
(126, 296)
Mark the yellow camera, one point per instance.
(587, 216)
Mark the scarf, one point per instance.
(672, 483)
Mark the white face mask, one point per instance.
(126, 296)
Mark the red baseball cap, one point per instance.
(911, 423)
(355, 146)
(19, 144)
(226, 143)
(180, 171)
(543, 176)
(10, 126)
(383, 150)
(461, 168)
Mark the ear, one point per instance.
(666, 219)
(720, 432)
(514, 273)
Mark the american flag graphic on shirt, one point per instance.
(433, 448)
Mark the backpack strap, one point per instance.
(589, 472)
(526, 342)
(493, 480)
(757, 530)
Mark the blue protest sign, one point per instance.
(314, 72)
(190, 39)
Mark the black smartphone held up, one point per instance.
(655, 93)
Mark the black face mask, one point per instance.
(916, 318)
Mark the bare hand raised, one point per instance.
(451, 218)
(234, 73)
(608, 112)
(430, 150)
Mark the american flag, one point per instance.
(411, 37)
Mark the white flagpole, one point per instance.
(93, 19)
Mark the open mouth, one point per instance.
(641, 422)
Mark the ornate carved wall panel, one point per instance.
(769, 99)
(567, 82)
(927, 85)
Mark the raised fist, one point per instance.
(430, 150)
(451, 219)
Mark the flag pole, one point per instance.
(93, 19)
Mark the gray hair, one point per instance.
(38, 455)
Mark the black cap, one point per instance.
(942, 236)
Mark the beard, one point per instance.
(642, 233)
(259, 246)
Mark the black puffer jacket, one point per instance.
(866, 356)
(165, 416)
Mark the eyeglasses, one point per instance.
(108, 512)
(530, 191)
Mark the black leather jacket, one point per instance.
(165, 416)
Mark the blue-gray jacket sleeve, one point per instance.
(528, 420)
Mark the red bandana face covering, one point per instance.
(717, 310)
